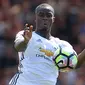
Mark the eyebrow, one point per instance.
(45, 11)
(43, 14)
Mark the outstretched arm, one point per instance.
(22, 38)
(81, 59)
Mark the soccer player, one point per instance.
(36, 49)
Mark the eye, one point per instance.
(48, 15)
(41, 14)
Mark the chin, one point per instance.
(43, 29)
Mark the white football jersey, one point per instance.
(36, 63)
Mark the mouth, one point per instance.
(45, 24)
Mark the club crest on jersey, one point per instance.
(39, 40)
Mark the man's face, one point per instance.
(44, 20)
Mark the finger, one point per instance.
(26, 27)
(30, 28)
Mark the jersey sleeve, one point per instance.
(67, 44)
(64, 43)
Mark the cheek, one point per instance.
(39, 20)
(50, 22)
(39, 23)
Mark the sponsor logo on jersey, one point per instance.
(43, 56)
(47, 52)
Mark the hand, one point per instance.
(27, 32)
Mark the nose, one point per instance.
(45, 18)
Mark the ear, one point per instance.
(53, 19)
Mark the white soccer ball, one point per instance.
(65, 59)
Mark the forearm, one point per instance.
(81, 59)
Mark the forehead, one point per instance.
(44, 11)
(44, 8)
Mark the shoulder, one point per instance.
(68, 46)
(65, 43)
(62, 43)
(55, 39)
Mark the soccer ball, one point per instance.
(65, 59)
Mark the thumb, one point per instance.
(31, 28)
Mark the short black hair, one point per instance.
(44, 6)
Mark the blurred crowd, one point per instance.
(69, 25)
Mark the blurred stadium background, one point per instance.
(69, 25)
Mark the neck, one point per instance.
(44, 34)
